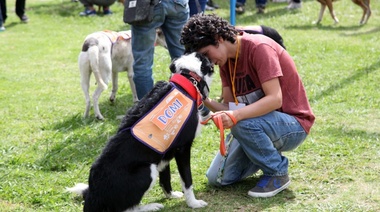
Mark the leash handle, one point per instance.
(219, 124)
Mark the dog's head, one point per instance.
(197, 67)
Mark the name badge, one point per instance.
(234, 106)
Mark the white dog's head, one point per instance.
(197, 67)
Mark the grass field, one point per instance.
(46, 145)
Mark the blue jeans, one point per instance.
(170, 15)
(257, 144)
(194, 8)
(259, 3)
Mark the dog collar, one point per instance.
(197, 82)
(185, 84)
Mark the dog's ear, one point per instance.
(207, 68)
(172, 66)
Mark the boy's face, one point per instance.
(216, 54)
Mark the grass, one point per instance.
(46, 145)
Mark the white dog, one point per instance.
(107, 53)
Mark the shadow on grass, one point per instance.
(232, 198)
(64, 8)
(346, 81)
(76, 140)
(372, 31)
(324, 27)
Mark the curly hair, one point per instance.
(203, 30)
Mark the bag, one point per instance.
(139, 12)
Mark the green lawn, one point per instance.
(46, 145)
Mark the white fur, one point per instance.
(173, 194)
(106, 60)
(191, 201)
(192, 63)
(78, 188)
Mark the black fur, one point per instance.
(88, 43)
(269, 32)
(121, 175)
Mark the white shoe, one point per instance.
(293, 6)
(2, 28)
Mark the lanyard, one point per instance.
(233, 75)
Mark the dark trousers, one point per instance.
(20, 8)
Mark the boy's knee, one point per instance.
(212, 179)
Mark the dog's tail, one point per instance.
(80, 189)
(93, 55)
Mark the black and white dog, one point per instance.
(128, 166)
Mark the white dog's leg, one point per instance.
(146, 208)
(85, 73)
(115, 85)
(95, 98)
(321, 11)
(191, 201)
(105, 69)
(132, 83)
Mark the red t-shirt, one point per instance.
(262, 59)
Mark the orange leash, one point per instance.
(219, 124)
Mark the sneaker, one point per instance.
(239, 8)
(2, 28)
(210, 3)
(268, 186)
(88, 13)
(24, 19)
(107, 12)
(208, 8)
(260, 10)
(293, 6)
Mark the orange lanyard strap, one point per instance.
(219, 124)
(233, 75)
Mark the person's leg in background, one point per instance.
(211, 5)
(89, 9)
(170, 16)
(3, 7)
(143, 38)
(294, 4)
(20, 10)
(197, 6)
(2, 28)
(239, 8)
(260, 6)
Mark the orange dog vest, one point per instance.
(160, 127)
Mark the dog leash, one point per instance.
(219, 124)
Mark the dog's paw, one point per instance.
(150, 207)
(175, 195)
(197, 203)
(99, 117)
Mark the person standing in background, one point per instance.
(170, 16)
(20, 10)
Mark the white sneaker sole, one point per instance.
(269, 194)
